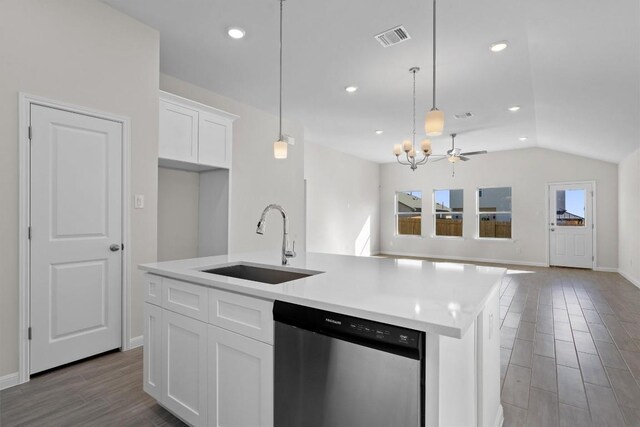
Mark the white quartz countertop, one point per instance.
(435, 297)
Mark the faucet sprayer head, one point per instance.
(260, 228)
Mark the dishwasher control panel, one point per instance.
(368, 329)
(395, 339)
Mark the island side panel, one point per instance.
(488, 363)
(457, 380)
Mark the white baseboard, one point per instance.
(499, 417)
(606, 269)
(457, 258)
(136, 342)
(629, 278)
(9, 380)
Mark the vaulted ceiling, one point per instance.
(572, 65)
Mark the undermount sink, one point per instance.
(262, 274)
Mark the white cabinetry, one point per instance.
(178, 132)
(199, 362)
(184, 367)
(193, 136)
(152, 375)
(240, 380)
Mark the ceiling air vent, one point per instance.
(463, 115)
(393, 36)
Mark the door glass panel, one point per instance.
(570, 208)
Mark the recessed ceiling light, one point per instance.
(236, 33)
(499, 46)
(379, 132)
(514, 108)
(523, 138)
(351, 89)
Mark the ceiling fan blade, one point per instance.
(473, 153)
(463, 158)
(441, 158)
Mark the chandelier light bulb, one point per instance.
(397, 149)
(426, 146)
(407, 145)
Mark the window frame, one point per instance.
(396, 214)
(478, 214)
(434, 235)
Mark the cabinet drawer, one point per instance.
(153, 289)
(248, 316)
(185, 298)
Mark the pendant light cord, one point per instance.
(414, 109)
(280, 138)
(434, 54)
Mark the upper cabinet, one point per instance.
(194, 136)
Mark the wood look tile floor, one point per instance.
(570, 356)
(102, 391)
(570, 348)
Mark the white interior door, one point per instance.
(76, 235)
(571, 225)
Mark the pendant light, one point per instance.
(280, 146)
(434, 122)
(409, 146)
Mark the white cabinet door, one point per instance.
(240, 380)
(184, 367)
(152, 368)
(178, 132)
(214, 140)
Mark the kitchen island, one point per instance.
(209, 338)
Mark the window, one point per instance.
(447, 212)
(409, 213)
(570, 207)
(494, 213)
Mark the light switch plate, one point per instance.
(139, 201)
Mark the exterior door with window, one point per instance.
(76, 235)
(571, 225)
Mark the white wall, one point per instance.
(213, 213)
(527, 171)
(629, 217)
(178, 195)
(84, 53)
(257, 179)
(342, 202)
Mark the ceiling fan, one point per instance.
(456, 154)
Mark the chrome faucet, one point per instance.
(286, 253)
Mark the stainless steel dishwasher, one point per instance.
(333, 370)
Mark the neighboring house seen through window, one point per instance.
(409, 213)
(494, 213)
(447, 212)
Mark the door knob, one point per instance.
(114, 248)
(553, 229)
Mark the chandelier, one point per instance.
(409, 146)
